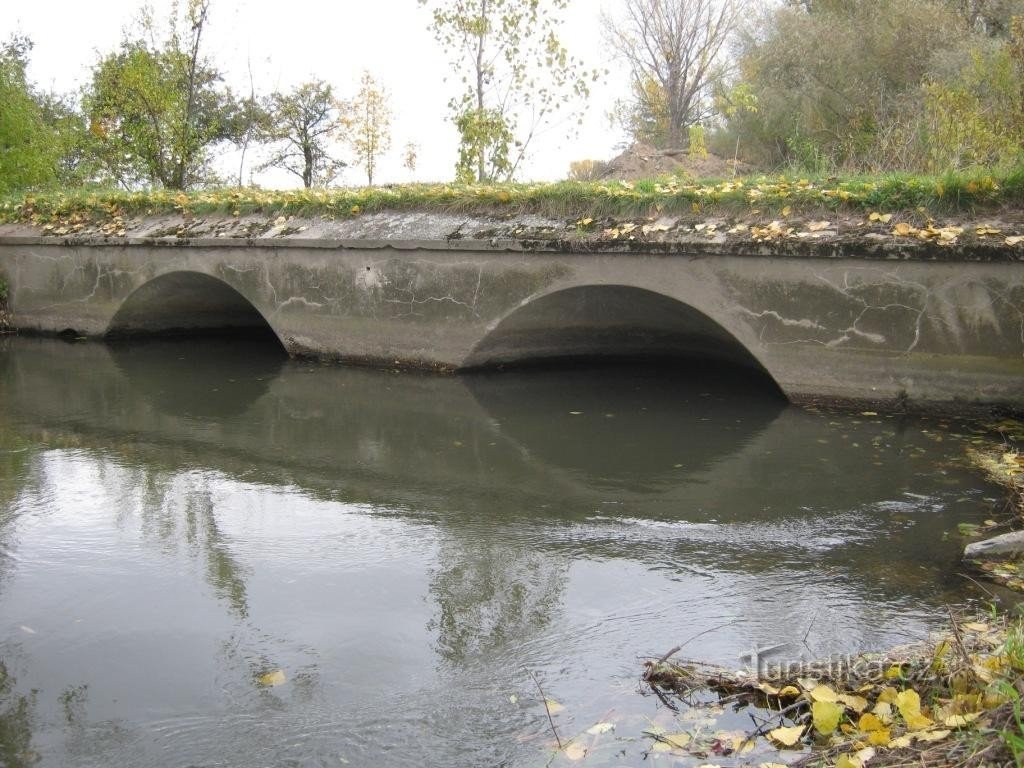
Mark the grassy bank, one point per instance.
(947, 194)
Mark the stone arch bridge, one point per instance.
(823, 321)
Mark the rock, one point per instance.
(1008, 546)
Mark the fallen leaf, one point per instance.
(786, 736)
(599, 728)
(272, 679)
(823, 693)
(961, 721)
(1015, 240)
(856, 703)
(789, 691)
(870, 722)
(575, 751)
(975, 626)
(553, 706)
(676, 740)
(932, 735)
(901, 742)
(826, 715)
(817, 226)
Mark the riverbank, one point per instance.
(954, 699)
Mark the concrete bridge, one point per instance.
(844, 321)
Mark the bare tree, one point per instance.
(674, 49)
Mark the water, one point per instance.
(178, 519)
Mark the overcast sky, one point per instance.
(289, 42)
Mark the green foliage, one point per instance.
(486, 139)
(836, 83)
(586, 170)
(302, 125)
(698, 147)
(28, 154)
(157, 107)
(884, 84)
(514, 76)
(368, 125)
(977, 118)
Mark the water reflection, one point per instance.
(197, 379)
(405, 547)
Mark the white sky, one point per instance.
(334, 40)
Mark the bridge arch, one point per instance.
(188, 303)
(613, 322)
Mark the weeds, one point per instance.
(951, 192)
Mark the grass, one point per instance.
(948, 193)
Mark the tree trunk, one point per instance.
(481, 171)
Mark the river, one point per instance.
(211, 555)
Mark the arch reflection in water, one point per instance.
(208, 378)
(642, 426)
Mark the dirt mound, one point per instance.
(642, 161)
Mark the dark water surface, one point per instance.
(178, 519)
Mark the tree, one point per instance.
(27, 150)
(674, 50)
(838, 84)
(515, 76)
(368, 124)
(157, 107)
(410, 157)
(303, 124)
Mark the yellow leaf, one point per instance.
(903, 229)
(960, 721)
(825, 715)
(553, 706)
(870, 722)
(786, 211)
(879, 738)
(856, 703)
(661, 746)
(975, 626)
(787, 737)
(271, 679)
(900, 743)
(1015, 240)
(895, 672)
(823, 693)
(908, 702)
(932, 735)
(771, 690)
(789, 691)
(918, 722)
(817, 226)
(575, 751)
(883, 710)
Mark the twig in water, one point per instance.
(680, 647)
(544, 698)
